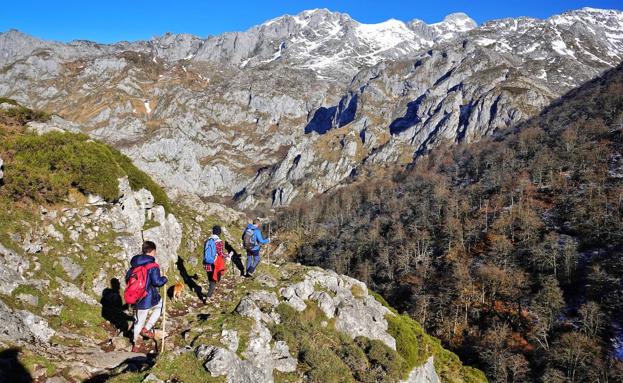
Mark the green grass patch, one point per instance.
(327, 355)
(30, 290)
(286, 377)
(20, 115)
(44, 168)
(80, 318)
(128, 377)
(4, 100)
(31, 361)
(183, 368)
(416, 347)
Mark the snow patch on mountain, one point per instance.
(384, 35)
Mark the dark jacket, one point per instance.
(154, 280)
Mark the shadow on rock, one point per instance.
(236, 258)
(113, 309)
(134, 364)
(188, 279)
(11, 369)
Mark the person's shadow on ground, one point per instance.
(188, 279)
(11, 369)
(236, 258)
(113, 309)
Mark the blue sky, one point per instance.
(111, 21)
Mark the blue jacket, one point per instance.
(154, 280)
(257, 236)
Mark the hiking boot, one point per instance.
(147, 333)
(136, 347)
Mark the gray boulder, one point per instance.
(325, 303)
(248, 308)
(72, 291)
(130, 214)
(23, 326)
(152, 378)
(12, 266)
(364, 318)
(230, 339)
(27, 299)
(223, 362)
(70, 267)
(424, 374)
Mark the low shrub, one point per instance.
(44, 168)
(331, 356)
(20, 115)
(415, 346)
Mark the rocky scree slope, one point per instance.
(271, 114)
(65, 246)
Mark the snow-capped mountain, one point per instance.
(294, 106)
(331, 44)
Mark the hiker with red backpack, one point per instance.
(252, 242)
(142, 282)
(214, 260)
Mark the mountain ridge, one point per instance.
(273, 131)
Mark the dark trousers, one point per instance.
(253, 259)
(209, 268)
(211, 288)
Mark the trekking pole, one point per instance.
(268, 249)
(164, 317)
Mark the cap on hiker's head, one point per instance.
(216, 230)
(256, 221)
(148, 247)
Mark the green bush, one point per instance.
(325, 365)
(4, 100)
(20, 115)
(139, 179)
(415, 346)
(409, 337)
(44, 168)
(331, 356)
(386, 365)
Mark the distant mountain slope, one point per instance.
(274, 114)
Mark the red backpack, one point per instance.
(136, 286)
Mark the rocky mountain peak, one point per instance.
(457, 22)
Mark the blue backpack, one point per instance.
(209, 251)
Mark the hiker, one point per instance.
(214, 260)
(142, 282)
(252, 242)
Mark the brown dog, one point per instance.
(177, 290)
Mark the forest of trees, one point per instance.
(508, 249)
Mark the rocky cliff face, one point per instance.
(271, 114)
